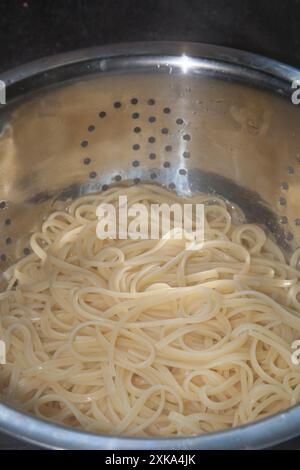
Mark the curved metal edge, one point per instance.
(256, 62)
(261, 434)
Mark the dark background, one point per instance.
(35, 28)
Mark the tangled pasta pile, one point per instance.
(142, 337)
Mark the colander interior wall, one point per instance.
(190, 133)
(191, 126)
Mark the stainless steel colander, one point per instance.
(190, 117)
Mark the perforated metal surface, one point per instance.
(188, 134)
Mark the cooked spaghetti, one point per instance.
(144, 337)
